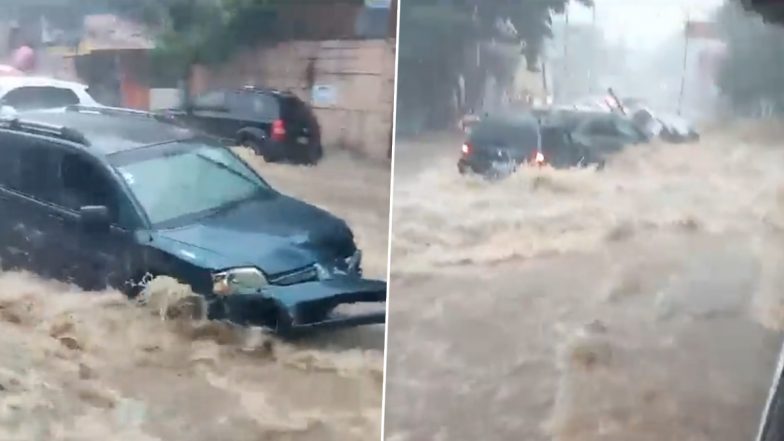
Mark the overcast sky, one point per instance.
(643, 23)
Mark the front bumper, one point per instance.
(310, 306)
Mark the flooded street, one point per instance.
(91, 366)
(638, 303)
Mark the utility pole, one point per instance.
(565, 80)
(592, 66)
(685, 62)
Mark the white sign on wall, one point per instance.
(324, 95)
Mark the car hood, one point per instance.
(276, 234)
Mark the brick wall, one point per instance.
(360, 71)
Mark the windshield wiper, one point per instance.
(229, 169)
(228, 206)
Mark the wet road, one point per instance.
(89, 366)
(640, 303)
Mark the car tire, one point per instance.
(314, 154)
(256, 146)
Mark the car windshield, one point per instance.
(187, 179)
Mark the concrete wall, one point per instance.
(360, 72)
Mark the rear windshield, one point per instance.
(493, 133)
(31, 98)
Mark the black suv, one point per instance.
(106, 198)
(276, 125)
(497, 145)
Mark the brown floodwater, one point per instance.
(91, 366)
(642, 302)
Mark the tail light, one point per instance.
(538, 158)
(466, 149)
(278, 130)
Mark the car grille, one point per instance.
(301, 275)
(311, 273)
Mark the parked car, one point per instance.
(276, 125)
(104, 198)
(23, 93)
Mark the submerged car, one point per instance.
(499, 145)
(274, 124)
(668, 128)
(104, 198)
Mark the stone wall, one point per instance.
(359, 75)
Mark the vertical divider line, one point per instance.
(390, 217)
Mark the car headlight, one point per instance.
(238, 281)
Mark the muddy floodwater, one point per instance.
(90, 366)
(640, 303)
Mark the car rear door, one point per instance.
(28, 228)
(211, 113)
(12, 253)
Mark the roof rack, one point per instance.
(36, 128)
(118, 111)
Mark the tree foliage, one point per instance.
(436, 41)
(753, 69)
(204, 31)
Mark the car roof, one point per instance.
(522, 118)
(281, 94)
(109, 134)
(13, 82)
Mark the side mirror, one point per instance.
(95, 218)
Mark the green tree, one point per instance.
(753, 69)
(437, 44)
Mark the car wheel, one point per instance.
(256, 146)
(314, 154)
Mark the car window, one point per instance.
(626, 128)
(83, 183)
(258, 105)
(601, 127)
(188, 178)
(27, 168)
(210, 100)
(27, 98)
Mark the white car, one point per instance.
(22, 93)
